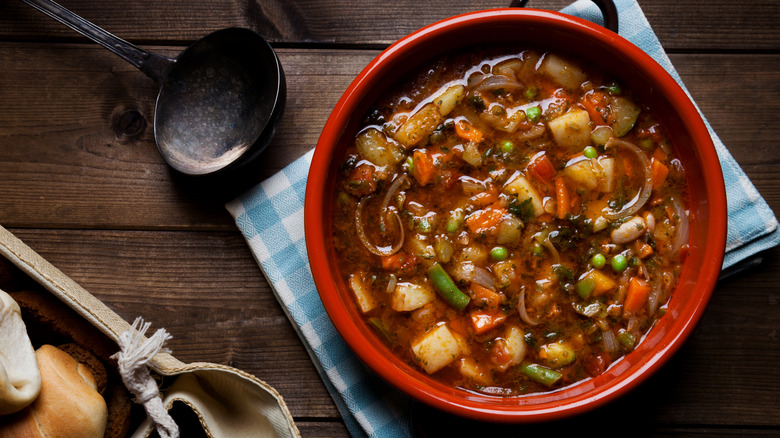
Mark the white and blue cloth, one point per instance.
(270, 216)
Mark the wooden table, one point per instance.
(81, 182)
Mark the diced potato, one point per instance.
(564, 72)
(520, 187)
(376, 148)
(474, 253)
(599, 176)
(583, 173)
(505, 272)
(607, 183)
(419, 126)
(623, 115)
(451, 97)
(571, 129)
(409, 296)
(515, 345)
(509, 231)
(557, 354)
(604, 283)
(363, 293)
(472, 155)
(436, 349)
(418, 246)
(472, 371)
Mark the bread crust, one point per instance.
(68, 406)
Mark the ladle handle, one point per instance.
(151, 64)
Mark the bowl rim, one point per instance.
(422, 389)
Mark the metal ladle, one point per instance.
(219, 100)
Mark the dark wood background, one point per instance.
(85, 188)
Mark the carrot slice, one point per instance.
(660, 172)
(562, 198)
(468, 132)
(485, 219)
(636, 296)
(595, 104)
(422, 167)
(643, 250)
(484, 321)
(542, 169)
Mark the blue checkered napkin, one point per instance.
(270, 216)
(752, 224)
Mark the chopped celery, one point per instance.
(626, 338)
(585, 287)
(455, 220)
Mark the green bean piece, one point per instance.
(619, 263)
(541, 374)
(590, 152)
(585, 287)
(447, 288)
(533, 114)
(455, 220)
(380, 327)
(499, 253)
(598, 260)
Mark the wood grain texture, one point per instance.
(63, 165)
(97, 201)
(680, 24)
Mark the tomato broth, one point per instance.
(510, 221)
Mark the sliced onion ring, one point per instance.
(647, 186)
(523, 312)
(380, 251)
(681, 237)
(389, 196)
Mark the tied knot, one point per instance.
(134, 353)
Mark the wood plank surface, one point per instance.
(81, 182)
(680, 24)
(84, 175)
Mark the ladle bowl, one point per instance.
(219, 100)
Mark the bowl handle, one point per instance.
(607, 8)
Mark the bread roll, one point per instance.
(68, 406)
(20, 380)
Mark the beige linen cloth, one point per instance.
(228, 402)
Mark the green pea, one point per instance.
(591, 152)
(531, 92)
(614, 88)
(507, 146)
(619, 263)
(533, 114)
(598, 260)
(499, 253)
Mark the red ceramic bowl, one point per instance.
(637, 71)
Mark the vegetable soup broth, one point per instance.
(510, 222)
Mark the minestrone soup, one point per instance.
(510, 222)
